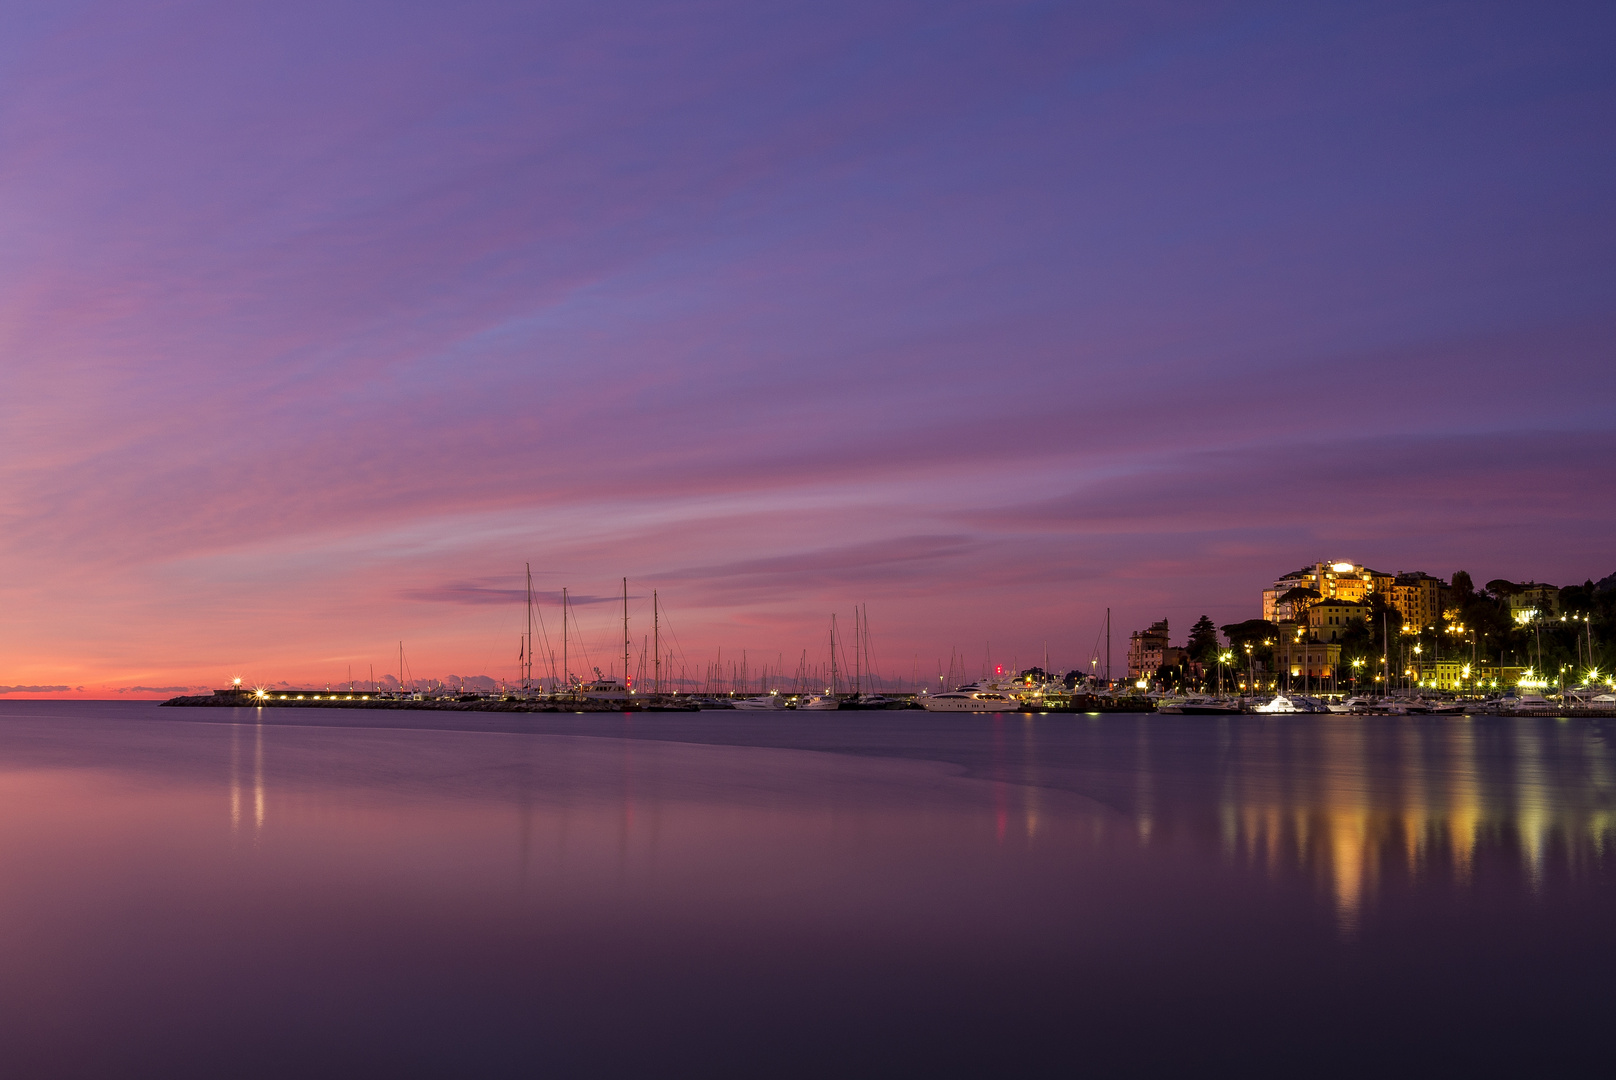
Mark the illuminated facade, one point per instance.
(1148, 650)
(1331, 581)
(1533, 600)
(1459, 674)
(1145, 648)
(1306, 659)
(1419, 598)
(1294, 604)
(1327, 620)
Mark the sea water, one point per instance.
(262, 892)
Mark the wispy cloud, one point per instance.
(474, 594)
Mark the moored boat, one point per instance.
(974, 697)
(763, 703)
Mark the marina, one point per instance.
(977, 698)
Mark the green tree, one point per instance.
(1203, 645)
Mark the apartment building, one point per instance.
(1419, 598)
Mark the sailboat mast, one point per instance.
(858, 647)
(564, 664)
(527, 674)
(833, 654)
(656, 646)
(625, 632)
(1108, 647)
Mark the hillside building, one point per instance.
(1330, 581)
(1148, 650)
(1328, 619)
(1420, 599)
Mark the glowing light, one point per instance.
(1341, 567)
(237, 681)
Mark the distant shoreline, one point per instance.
(243, 701)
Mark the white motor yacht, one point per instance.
(972, 698)
(1293, 704)
(765, 703)
(602, 689)
(819, 701)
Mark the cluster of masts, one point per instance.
(854, 674)
(661, 668)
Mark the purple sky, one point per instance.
(320, 319)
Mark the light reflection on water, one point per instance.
(951, 894)
(1339, 798)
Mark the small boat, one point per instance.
(819, 702)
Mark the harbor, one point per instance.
(1023, 696)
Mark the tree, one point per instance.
(1254, 631)
(1462, 589)
(1203, 644)
(1252, 642)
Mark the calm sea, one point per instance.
(244, 893)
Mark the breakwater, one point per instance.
(498, 705)
(1082, 703)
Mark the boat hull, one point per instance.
(969, 705)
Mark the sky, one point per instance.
(320, 321)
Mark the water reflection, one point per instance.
(1347, 803)
(258, 795)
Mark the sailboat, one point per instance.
(829, 699)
